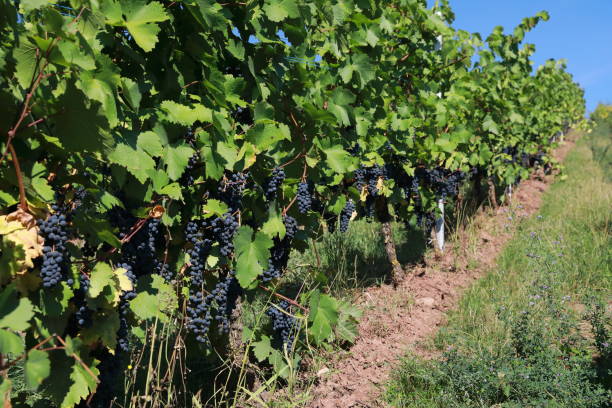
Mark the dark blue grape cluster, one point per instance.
(141, 251)
(111, 369)
(291, 227)
(231, 189)
(280, 251)
(274, 183)
(414, 191)
(304, 200)
(200, 311)
(153, 234)
(445, 183)
(346, 214)
(83, 314)
(360, 178)
(198, 308)
(123, 343)
(79, 195)
(226, 293)
(224, 228)
(188, 177)
(354, 150)
(199, 251)
(285, 326)
(55, 255)
(368, 177)
(375, 173)
(512, 152)
(164, 270)
(199, 315)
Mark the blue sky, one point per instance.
(578, 30)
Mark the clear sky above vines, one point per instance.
(579, 31)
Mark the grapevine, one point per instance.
(168, 158)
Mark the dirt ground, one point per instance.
(398, 320)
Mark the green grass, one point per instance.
(527, 317)
(341, 262)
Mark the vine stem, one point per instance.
(23, 202)
(77, 358)
(282, 166)
(21, 357)
(135, 228)
(25, 111)
(455, 61)
(286, 209)
(285, 298)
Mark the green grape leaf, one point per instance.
(177, 158)
(15, 312)
(25, 56)
(218, 157)
(279, 10)
(97, 88)
(274, 225)
(214, 207)
(43, 189)
(280, 364)
(96, 226)
(446, 144)
(74, 55)
(264, 136)
(131, 92)
(101, 276)
(157, 299)
(252, 254)
(145, 306)
(82, 385)
(78, 124)
(172, 190)
(140, 19)
(54, 302)
(347, 328)
(136, 161)
(103, 329)
(37, 368)
(30, 5)
(11, 343)
(11, 257)
(262, 348)
(184, 115)
(209, 14)
(339, 159)
(150, 143)
(490, 125)
(323, 316)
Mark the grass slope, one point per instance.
(535, 331)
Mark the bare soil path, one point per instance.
(398, 320)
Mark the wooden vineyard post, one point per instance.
(439, 227)
(396, 269)
(492, 197)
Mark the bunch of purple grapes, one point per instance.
(304, 199)
(285, 326)
(279, 253)
(274, 183)
(346, 214)
(54, 231)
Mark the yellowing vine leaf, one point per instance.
(125, 284)
(18, 229)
